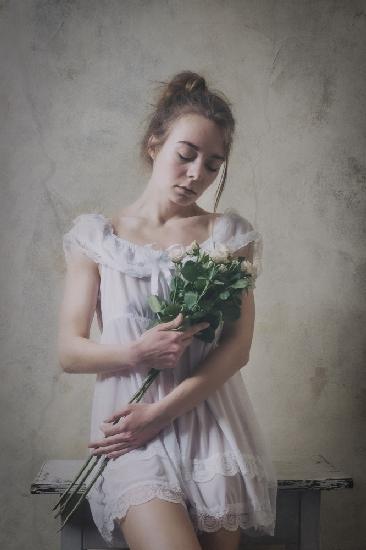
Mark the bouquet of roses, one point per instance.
(206, 287)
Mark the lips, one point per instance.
(187, 189)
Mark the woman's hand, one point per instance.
(139, 423)
(162, 345)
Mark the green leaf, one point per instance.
(200, 283)
(224, 295)
(190, 298)
(191, 270)
(154, 303)
(241, 283)
(172, 310)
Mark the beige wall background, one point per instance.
(77, 77)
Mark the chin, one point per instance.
(187, 198)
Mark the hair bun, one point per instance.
(195, 82)
(184, 83)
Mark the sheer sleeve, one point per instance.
(85, 236)
(239, 232)
(92, 234)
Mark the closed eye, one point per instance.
(184, 158)
(187, 159)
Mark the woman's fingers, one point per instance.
(116, 416)
(112, 429)
(111, 448)
(117, 438)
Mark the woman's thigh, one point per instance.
(230, 540)
(159, 525)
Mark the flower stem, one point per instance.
(204, 290)
(153, 373)
(85, 476)
(83, 496)
(65, 493)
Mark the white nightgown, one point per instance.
(213, 459)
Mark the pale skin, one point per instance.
(163, 215)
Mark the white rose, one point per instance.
(177, 252)
(249, 267)
(220, 253)
(193, 246)
(246, 266)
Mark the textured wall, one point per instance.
(76, 80)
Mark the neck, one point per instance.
(151, 205)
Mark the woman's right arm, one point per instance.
(76, 352)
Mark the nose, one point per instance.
(195, 170)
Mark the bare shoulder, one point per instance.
(212, 218)
(124, 218)
(209, 215)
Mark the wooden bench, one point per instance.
(300, 483)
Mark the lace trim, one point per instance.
(230, 517)
(92, 233)
(136, 494)
(206, 520)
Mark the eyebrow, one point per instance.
(197, 148)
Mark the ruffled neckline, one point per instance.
(150, 246)
(94, 235)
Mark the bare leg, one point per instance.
(159, 525)
(230, 540)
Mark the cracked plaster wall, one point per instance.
(76, 81)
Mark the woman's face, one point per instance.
(190, 157)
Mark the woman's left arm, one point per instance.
(220, 364)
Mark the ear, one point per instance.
(152, 146)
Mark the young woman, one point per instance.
(190, 467)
